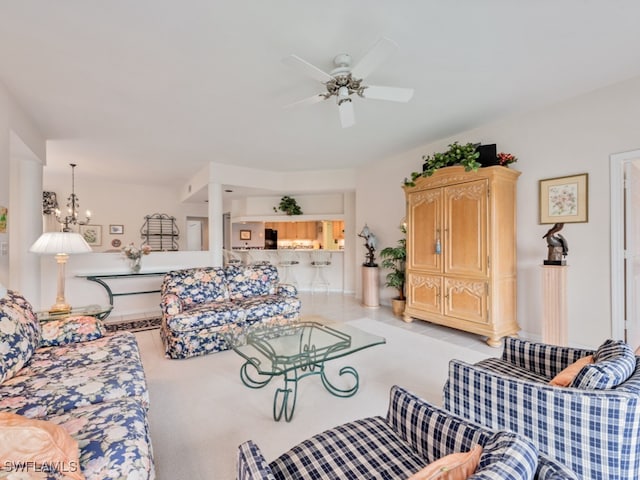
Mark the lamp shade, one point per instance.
(60, 242)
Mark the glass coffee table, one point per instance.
(295, 351)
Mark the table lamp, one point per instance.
(60, 244)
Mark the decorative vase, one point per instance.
(135, 265)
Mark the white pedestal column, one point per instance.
(370, 287)
(554, 290)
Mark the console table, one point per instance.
(101, 277)
(99, 311)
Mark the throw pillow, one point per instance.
(456, 466)
(566, 376)
(613, 362)
(47, 445)
(74, 329)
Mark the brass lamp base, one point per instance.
(60, 308)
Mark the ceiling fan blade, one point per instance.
(394, 94)
(306, 101)
(304, 66)
(382, 50)
(347, 115)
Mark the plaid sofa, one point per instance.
(412, 435)
(198, 303)
(596, 433)
(68, 372)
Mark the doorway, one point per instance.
(197, 233)
(625, 246)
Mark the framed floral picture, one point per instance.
(564, 199)
(92, 234)
(245, 234)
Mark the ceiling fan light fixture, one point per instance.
(345, 80)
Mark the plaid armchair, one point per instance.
(596, 433)
(412, 435)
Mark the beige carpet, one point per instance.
(200, 410)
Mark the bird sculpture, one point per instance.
(558, 247)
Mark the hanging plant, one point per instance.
(289, 206)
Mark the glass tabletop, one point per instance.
(98, 311)
(275, 348)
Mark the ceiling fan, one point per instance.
(344, 80)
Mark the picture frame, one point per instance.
(116, 229)
(245, 234)
(92, 234)
(564, 199)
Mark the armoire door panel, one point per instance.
(425, 293)
(466, 299)
(426, 230)
(465, 228)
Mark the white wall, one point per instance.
(22, 150)
(576, 136)
(122, 204)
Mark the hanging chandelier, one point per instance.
(73, 205)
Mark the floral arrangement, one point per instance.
(506, 158)
(134, 253)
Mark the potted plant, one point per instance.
(289, 206)
(394, 258)
(466, 155)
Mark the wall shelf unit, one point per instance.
(160, 232)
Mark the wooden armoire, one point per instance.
(461, 251)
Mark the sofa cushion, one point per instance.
(268, 306)
(71, 330)
(613, 363)
(205, 316)
(19, 334)
(113, 437)
(196, 286)
(508, 369)
(59, 379)
(24, 440)
(251, 281)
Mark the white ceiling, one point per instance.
(154, 89)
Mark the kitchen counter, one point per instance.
(303, 271)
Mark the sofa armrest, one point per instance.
(287, 290)
(251, 464)
(549, 469)
(543, 359)
(589, 431)
(71, 330)
(170, 305)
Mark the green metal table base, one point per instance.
(284, 400)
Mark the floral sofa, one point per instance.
(591, 423)
(70, 374)
(413, 435)
(198, 303)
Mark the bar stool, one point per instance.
(265, 257)
(288, 260)
(231, 258)
(320, 259)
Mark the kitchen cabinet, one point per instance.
(461, 250)
(338, 229)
